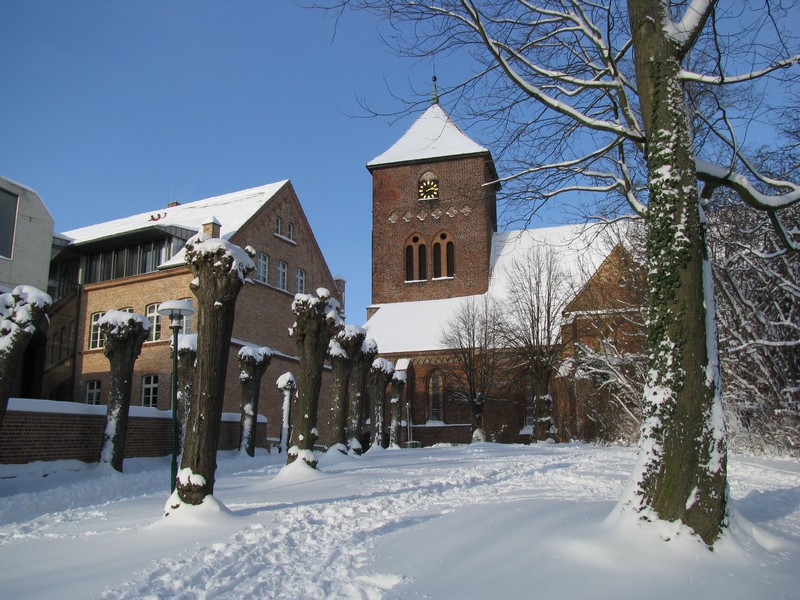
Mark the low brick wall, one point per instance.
(47, 430)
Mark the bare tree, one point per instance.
(380, 373)
(538, 291)
(21, 313)
(253, 363)
(123, 334)
(605, 84)
(395, 403)
(341, 351)
(317, 320)
(356, 393)
(475, 371)
(220, 269)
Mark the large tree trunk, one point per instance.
(396, 405)
(219, 270)
(356, 393)
(252, 366)
(317, 321)
(380, 373)
(682, 454)
(21, 313)
(123, 334)
(287, 384)
(542, 405)
(187, 357)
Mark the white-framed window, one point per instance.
(283, 270)
(93, 391)
(127, 309)
(278, 226)
(150, 390)
(300, 281)
(155, 322)
(290, 230)
(95, 339)
(262, 267)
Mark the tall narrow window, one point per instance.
(451, 259)
(290, 230)
(435, 397)
(8, 221)
(278, 225)
(437, 260)
(150, 391)
(409, 263)
(282, 272)
(155, 322)
(423, 263)
(93, 391)
(95, 340)
(300, 281)
(262, 268)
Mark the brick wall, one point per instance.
(465, 212)
(74, 431)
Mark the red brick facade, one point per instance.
(464, 214)
(263, 314)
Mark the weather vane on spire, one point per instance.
(435, 93)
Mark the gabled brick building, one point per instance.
(435, 244)
(136, 263)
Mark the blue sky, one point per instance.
(112, 108)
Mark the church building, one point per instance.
(435, 245)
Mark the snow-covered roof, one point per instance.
(433, 135)
(235, 209)
(417, 326)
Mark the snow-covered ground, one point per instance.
(477, 521)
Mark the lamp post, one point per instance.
(176, 310)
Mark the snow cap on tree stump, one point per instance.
(230, 258)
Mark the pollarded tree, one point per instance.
(253, 363)
(356, 393)
(21, 312)
(380, 373)
(395, 403)
(476, 371)
(220, 269)
(341, 351)
(605, 83)
(123, 335)
(317, 320)
(287, 385)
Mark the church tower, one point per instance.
(433, 213)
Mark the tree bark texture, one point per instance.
(251, 371)
(122, 347)
(356, 394)
(314, 327)
(187, 358)
(682, 452)
(216, 287)
(396, 407)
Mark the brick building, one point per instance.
(435, 245)
(136, 263)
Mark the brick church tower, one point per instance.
(433, 213)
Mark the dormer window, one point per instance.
(428, 187)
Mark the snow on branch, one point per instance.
(722, 79)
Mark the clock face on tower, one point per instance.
(428, 190)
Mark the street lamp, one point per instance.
(176, 310)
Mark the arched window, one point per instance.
(444, 261)
(435, 397)
(416, 259)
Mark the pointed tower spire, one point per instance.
(435, 99)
